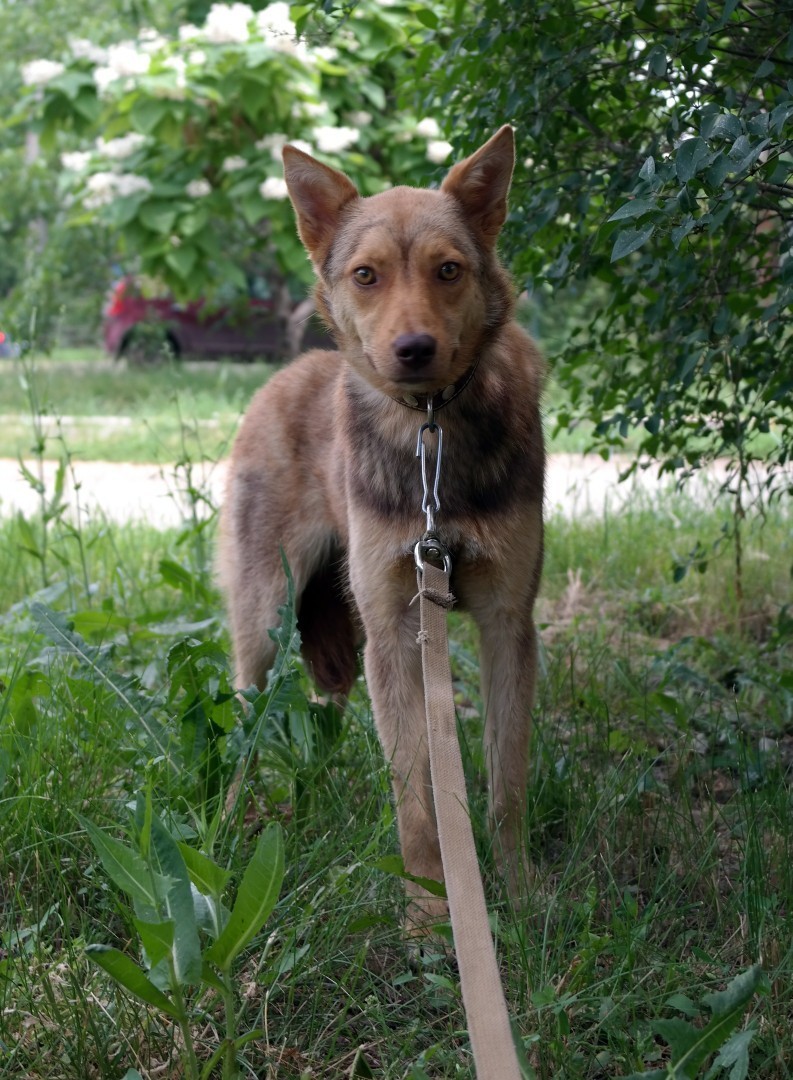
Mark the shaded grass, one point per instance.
(659, 825)
(109, 412)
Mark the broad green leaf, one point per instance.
(205, 874)
(182, 260)
(147, 113)
(131, 977)
(647, 171)
(255, 900)
(178, 901)
(156, 938)
(123, 865)
(630, 240)
(692, 155)
(158, 216)
(656, 60)
(634, 209)
(738, 993)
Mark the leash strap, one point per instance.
(483, 995)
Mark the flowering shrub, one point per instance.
(176, 143)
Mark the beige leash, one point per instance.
(489, 1029)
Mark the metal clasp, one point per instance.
(430, 503)
(429, 546)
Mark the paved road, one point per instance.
(577, 485)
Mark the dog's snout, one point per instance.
(415, 350)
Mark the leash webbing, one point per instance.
(480, 980)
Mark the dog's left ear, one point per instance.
(481, 183)
(318, 194)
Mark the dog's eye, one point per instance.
(450, 271)
(364, 275)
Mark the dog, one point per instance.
(323, 470)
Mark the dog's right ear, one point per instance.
(318, 194)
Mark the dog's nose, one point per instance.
(415, 350)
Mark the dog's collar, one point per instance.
(421, 402)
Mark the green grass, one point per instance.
(659, 827)
(109, 412)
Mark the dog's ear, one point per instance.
(318, 194)
(481, 183)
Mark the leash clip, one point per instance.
(429, 547)
(430, 503)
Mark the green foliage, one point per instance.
(654, 192)
(171, 894)
(693, 1046)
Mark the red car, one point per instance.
(145, 328)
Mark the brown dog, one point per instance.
(324, 468)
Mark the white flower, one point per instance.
(227, 24)
(125, 59)
(274, 143)
(312, 109)
(76, 160)
(197, 57)
(40, 72)
(150, 40)
(118, 149)
(103, 77)
(198, 188)
(326, 52)
(274, 187)
(275, 22)
(179, 65)
(130, 184)
(103, 187)
(234, 164)
(301, 144)
(428, 128)
(189, 31)
(360, 119)
(438, 150)
(83, 49)
(332, 140)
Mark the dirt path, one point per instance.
(577, 485)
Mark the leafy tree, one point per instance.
(179, 136)
(655, 190)
(52, 273)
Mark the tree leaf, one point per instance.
(692, 156)
(634, 209)
(256, 897)
(630, 240)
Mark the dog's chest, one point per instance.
(487, 467)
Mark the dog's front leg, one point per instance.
(508, 663)
(392, 663)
